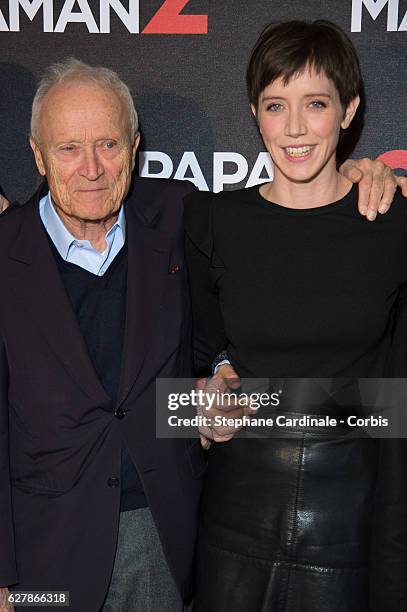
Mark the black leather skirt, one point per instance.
(286, 524)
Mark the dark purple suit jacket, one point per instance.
(60, 442)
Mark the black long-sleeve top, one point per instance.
(295, 293)
(310, 293)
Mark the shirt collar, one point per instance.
(61, 236)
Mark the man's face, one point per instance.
(85, 150)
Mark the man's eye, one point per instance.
(67, 148)
(317, 104)
(110, 144)
(275, 106)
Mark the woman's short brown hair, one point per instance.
(287, 49)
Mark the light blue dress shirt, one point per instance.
(81, 252)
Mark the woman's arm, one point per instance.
(388, 561)
(209, 337)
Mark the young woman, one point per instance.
(293, 282)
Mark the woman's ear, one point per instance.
(350, 112)
(254, 113)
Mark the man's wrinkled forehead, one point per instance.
(76, 109)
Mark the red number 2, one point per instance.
(168, 20)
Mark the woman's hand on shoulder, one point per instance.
(377, 185)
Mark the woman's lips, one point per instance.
(298, 154)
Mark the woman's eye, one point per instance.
(275, 106)
(317, 104)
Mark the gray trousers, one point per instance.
(141, 580)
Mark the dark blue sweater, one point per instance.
(99, 303)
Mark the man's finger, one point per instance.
(381, 174)
(214, 384)
(351, 172)
(389, 189)
(229, 376)
(231, 410)
(375, 197)
(205, 443)
(365, 186)
(355, 175)
(402, 183)
(376, 185)
(363, 175)
(200, 383)
(225, 438)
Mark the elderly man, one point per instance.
(94, 307)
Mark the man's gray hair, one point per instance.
(72, 70)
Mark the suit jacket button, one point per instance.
(119, 414)
(113, 482)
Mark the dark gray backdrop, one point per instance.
(189, 88)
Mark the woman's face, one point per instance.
(300, 124)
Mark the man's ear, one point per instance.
(350, 112)
(135, 146)
(38, 156)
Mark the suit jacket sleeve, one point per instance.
(8, 572)
(205, 269)
(388, 575)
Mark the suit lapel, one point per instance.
(148, 260)
(36, 283)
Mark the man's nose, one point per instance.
(91, 167)
(296, 125)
